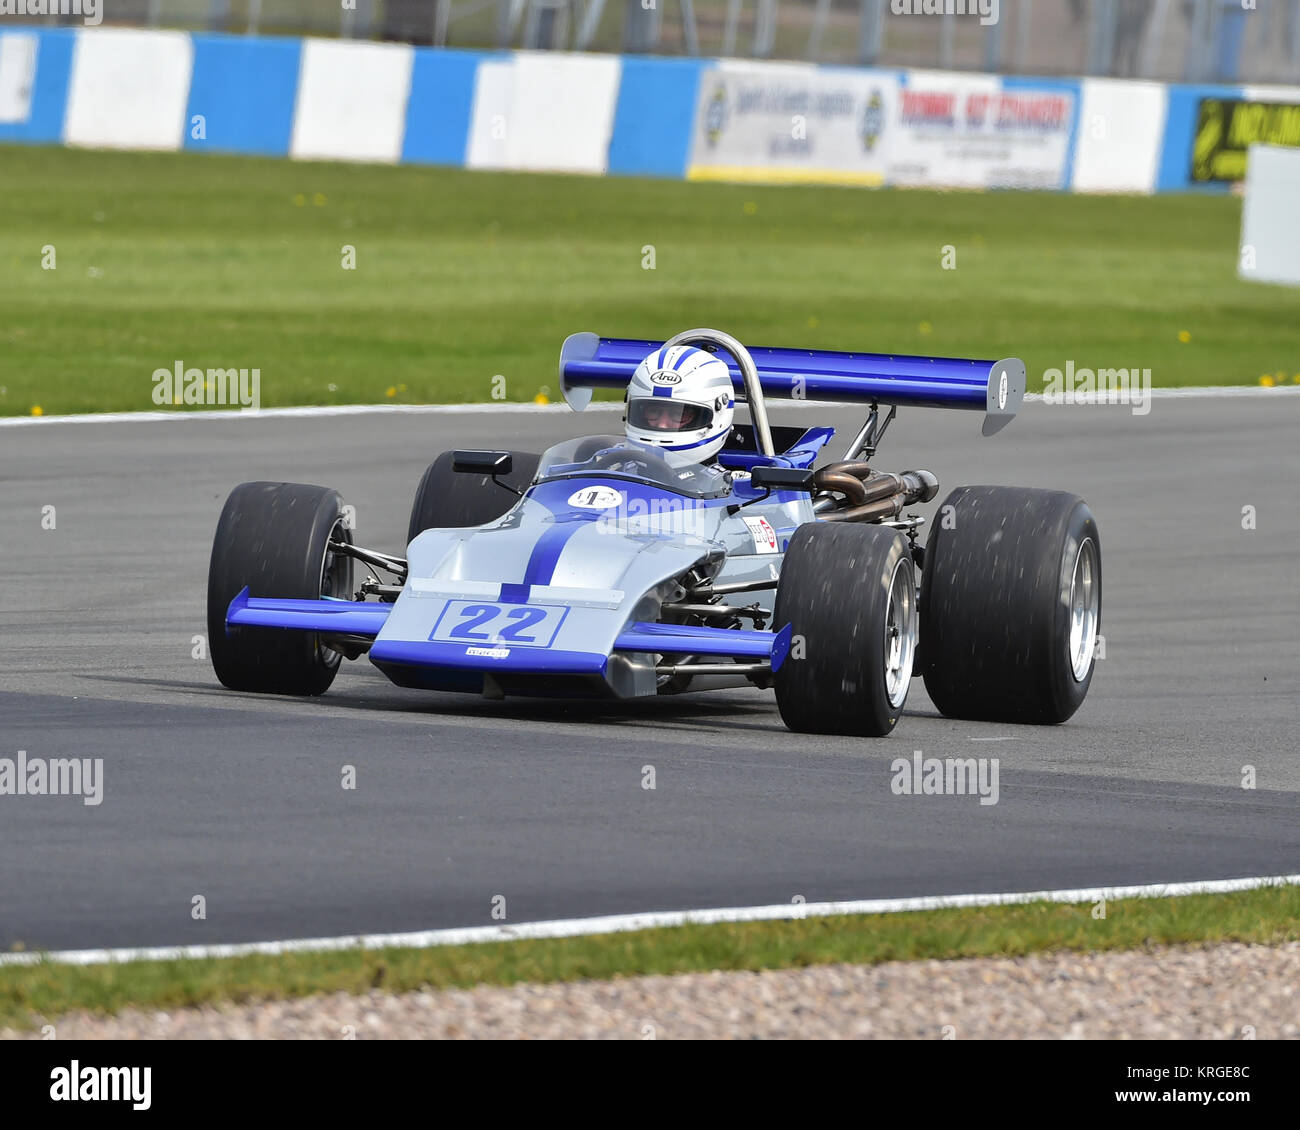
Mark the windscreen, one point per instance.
(615, 457)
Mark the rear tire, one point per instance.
(849, 591)
(446, 500)
(273, 538)
(1011, 605)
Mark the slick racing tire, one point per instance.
(1010, 604)
(274, 538)
(849, 593)
(445, 499)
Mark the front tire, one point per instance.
(274, 538)
(849, 591)
(1011, 605)
(446, 500)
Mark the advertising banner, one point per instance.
(956, 131)
(789, 124)
(1227, 127)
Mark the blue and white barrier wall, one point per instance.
(703, 119)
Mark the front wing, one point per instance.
(418, 663)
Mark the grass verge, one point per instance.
(235, 262)
(1267, 916)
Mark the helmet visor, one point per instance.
(659, 414)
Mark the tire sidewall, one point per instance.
(995, 604)
(834, 592)
(273, 539)
(447, 499)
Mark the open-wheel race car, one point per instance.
(690, 553)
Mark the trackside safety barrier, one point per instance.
(704, 119)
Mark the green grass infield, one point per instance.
(32, 994)
(345, 284)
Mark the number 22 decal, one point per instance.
(476, 615)
(467, 622)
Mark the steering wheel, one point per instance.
(614, 459)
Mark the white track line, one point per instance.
(621, 923)
(1191, 392)
(283, 413)
(1210, 392)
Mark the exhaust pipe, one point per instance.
(872, 495)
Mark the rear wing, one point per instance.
(996, 388)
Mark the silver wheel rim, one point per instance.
(328, 582)
(1085, 609)
(900, 635)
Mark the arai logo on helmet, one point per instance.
(596, 498)
(665, 378)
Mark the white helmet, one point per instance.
(680, 402)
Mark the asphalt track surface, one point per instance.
(238, 798)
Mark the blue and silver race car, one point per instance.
(690, 553)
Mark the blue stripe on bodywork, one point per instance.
(568, 520)
(514, 594)
(546, 552)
